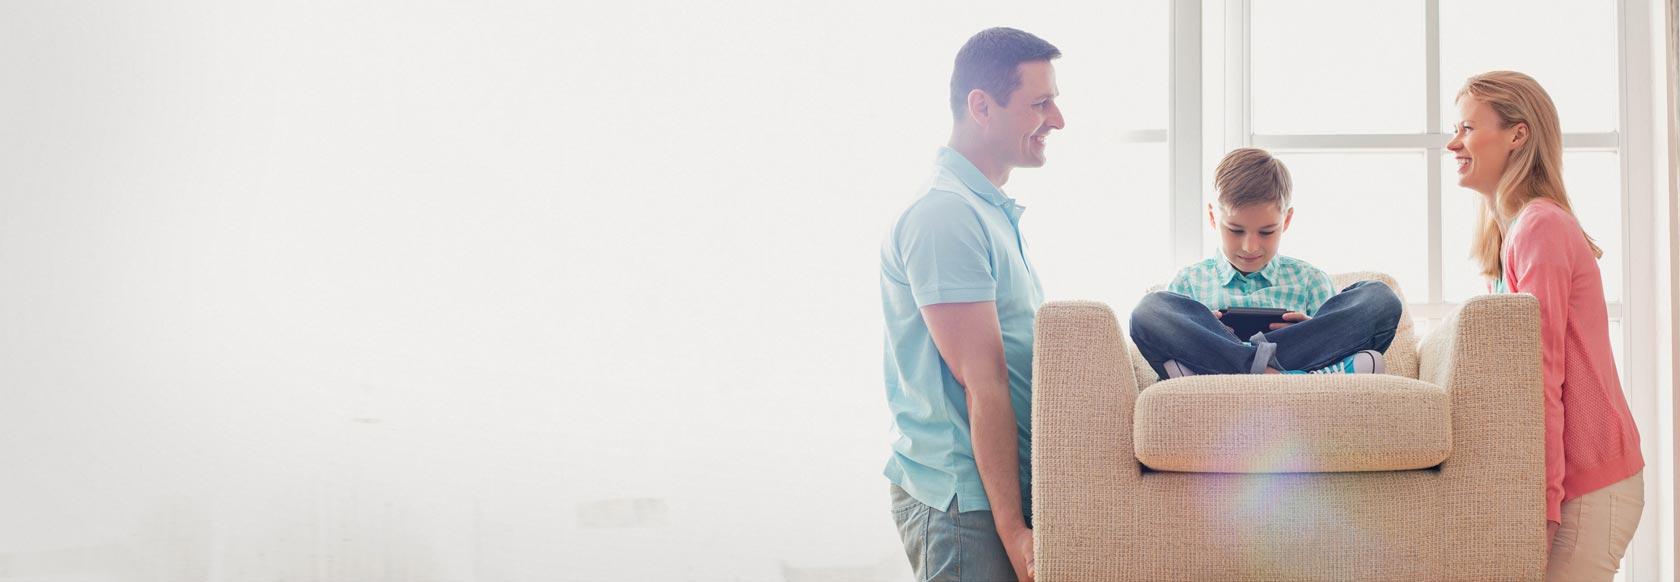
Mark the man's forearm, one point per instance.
(969, 341)
(991, 418)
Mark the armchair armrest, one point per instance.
(1487, 356)
(1084, 471)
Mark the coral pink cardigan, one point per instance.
(1591, 441)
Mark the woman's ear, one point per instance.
(1519, 135)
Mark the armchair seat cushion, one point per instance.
(1292, 424)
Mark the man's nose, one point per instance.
(1055, 120)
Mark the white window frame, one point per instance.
(1209, 113)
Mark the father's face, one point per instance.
(1018, 130)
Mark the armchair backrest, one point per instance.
(1401, 359)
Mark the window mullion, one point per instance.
(1184, 131)
(1432, 154)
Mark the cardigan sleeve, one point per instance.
(1539, 261)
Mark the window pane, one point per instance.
(1313, 72)
(1095, 225)
(1113, 70)
(1460, 274)
(1616, 351)
(1580, 74)
(1099, 201)
(1593, 179)
(1361, 212)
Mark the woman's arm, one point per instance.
(1539, 261)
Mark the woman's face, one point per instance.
(1480, 146)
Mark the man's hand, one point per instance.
(1289, 319)
(1019, 546)
(1551, 534)
(969, 340)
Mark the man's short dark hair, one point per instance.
(989, 62)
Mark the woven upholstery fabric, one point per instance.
(1401, 357)
(1085, 485)
(1099, 514)
(1145, 375)
(1314, 526)
(1487, 354)
(1281, 424)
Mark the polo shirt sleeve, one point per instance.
(946, 252)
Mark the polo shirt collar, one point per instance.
(1228, 273)
(977, 182)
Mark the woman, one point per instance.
(1510, 150)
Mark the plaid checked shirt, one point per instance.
(1285, 282)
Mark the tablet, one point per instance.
(1247, 321)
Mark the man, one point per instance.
(959, 297)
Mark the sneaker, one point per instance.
(1364, 362)
(1176, 370)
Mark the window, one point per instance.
(1098, 200)
(1361, 116)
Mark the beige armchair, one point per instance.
(1433, 472)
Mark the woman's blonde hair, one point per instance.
(1534, 170)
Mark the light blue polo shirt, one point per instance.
(959, 242)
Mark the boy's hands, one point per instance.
(1291, 318)
(1217, 314)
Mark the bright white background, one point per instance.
(528, 291)
(532, 291)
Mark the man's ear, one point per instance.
(1288, 216)
(979, 107)
(1212, 222)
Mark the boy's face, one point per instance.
(1249, 235)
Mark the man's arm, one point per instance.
(970, 341)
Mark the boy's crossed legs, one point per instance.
(1169, 326)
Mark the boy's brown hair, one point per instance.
(1249, 176)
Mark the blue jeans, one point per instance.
(1169, 326)
(950, 545)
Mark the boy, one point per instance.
(1178, 331)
